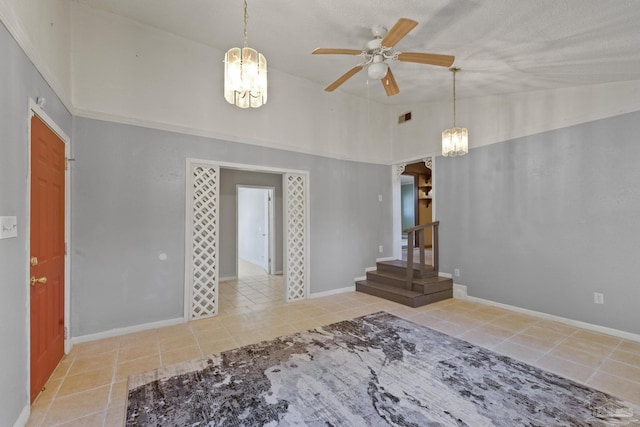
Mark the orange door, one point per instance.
(47, 253)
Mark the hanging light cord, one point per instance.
(246, 21)
(454, 95)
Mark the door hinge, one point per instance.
(65, 248)
(66, 162)
(66, 334)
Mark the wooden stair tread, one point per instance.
(400, 267)
(389, 288)
(389, 281)
(402, 295)
(403, 264)
(403, 277)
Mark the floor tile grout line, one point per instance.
(76, 418)
(159, 351)
(622, 362)
(597, 370)
(113, 382)
(547, 353)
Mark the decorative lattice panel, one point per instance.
(204, 259)
(296, 209)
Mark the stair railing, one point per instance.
(418, 231)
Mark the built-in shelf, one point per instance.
(424, 188)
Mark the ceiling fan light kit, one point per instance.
(245, 74)
(455, 141)
(378, 68)
(378, 54)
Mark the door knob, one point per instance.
(42, 280)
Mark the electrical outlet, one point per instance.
(456, 272)
(380, 248)
(379, 197)
(598, 298)
(8, 227)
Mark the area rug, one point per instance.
(374, 370)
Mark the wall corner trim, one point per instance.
(23, 418)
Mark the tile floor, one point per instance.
(250, 291)
(89, 387)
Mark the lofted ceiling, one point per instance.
(502, 46)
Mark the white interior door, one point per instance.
(265, 232)
(271, 235)
(254, 226)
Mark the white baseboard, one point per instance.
(24, 417)
(577, 323)
(460, 291)
(278, 273)
(447, 275)
(356, 279)
(333, 292)
(127, 330)
(370, 269)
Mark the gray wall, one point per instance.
(129, 208)
(545, 221)
(229, 179)
(19, 80)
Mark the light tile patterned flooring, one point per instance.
(89, 387)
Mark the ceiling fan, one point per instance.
(378, 53)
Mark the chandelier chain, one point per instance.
(246, 21)
(454, 97)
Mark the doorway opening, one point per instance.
(211, 238)
(416, 207)
(258, 280)
(255, 233)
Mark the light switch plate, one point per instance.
(8, 227)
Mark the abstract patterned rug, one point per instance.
(375, 370)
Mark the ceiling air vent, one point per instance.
(404, 117)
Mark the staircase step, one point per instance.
(399, 267)
(402, 296)
(426, 285)
(432, 285)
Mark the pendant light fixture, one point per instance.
(245, 74)
(455, 141)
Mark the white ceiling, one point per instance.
(502, 46)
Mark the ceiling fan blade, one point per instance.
(329, 51)
(427, 58)
(343, 78)
(390, 84)
(399, 30)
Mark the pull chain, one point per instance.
(246, 21)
